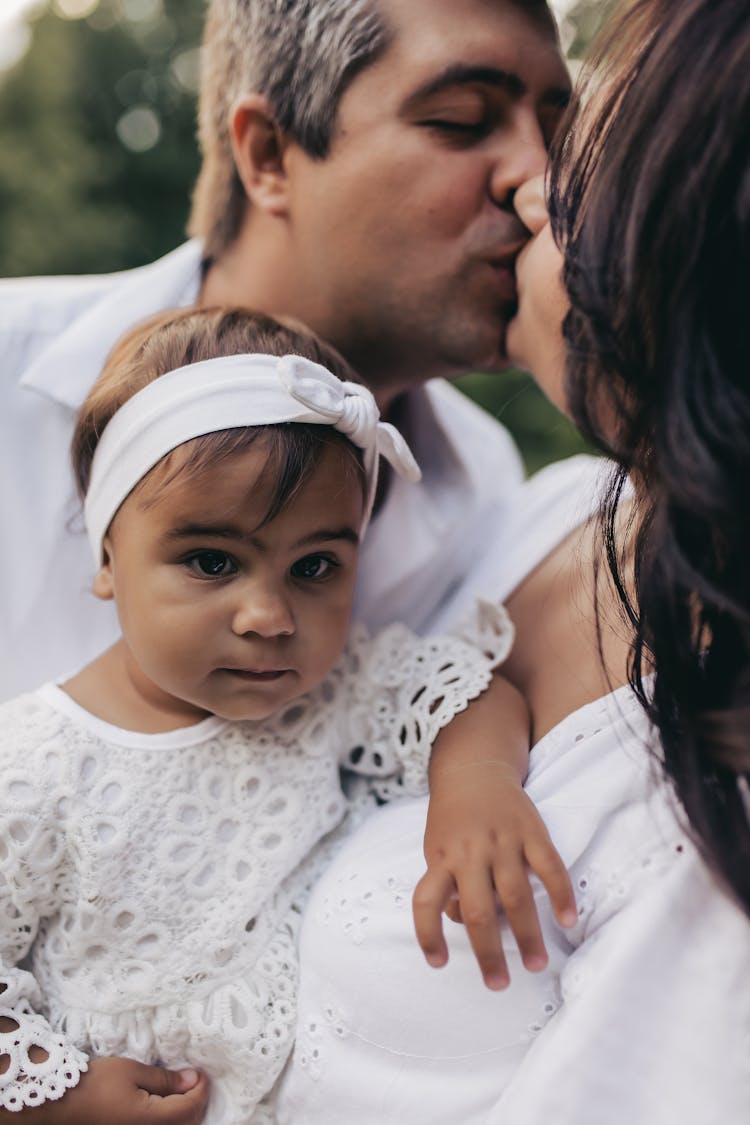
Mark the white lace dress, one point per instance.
(152, 884)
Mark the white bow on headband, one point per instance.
(228, 393)
(350, 408)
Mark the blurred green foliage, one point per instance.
(583, 23)
(542, 433)
(97, 132)
(73, 197)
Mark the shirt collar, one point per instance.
(443, 429)
(66, 369)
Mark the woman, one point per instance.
(639, 675)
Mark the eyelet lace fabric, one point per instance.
(653, 974)
(154, 884)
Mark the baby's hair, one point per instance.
(182, 337)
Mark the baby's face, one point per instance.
(219, 614)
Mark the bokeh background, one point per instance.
(97, 136)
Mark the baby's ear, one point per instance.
(104, 586)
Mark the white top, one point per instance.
(157, 880)
(642, 1018)
(419, 553)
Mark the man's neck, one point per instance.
(253, 279)
(255, 273)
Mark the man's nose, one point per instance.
(264, 610)
(521, 154)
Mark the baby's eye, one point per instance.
(212, 564)
(312, 566)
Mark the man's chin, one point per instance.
(497, 366)
(511, 343)
(480, 349)
(496, 359)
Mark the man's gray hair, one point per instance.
(300, 54)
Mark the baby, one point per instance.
(167, 807)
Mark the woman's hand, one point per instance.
(534, 337)
(124, 1092)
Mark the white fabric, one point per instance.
(222, 394)
(157, 880)
(547, 508)
(642, 1018)
(421, 549)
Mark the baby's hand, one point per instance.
(124, 1092)
(483, 835)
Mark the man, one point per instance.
(360, 162)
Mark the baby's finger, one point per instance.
(159, 1081)
(452, 909)
(175, 1097)
(517, 901)
(186, 1109)
(544, 860)
(479, 913)
(431, 894)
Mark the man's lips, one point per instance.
(505, 281)
(503, 265)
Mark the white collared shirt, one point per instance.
(429, 548)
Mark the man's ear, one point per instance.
(258, 144)
(104, 586)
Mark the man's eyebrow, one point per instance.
(461, 74)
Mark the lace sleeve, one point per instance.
(489, 628)
(26, 1083)
(401, 690)
(31, 871)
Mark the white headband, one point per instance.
(228, 393)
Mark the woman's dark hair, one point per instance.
(180, 337)
(650, 201)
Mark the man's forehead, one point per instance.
(435, 41)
